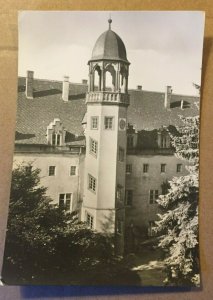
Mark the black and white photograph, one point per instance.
(105, 175)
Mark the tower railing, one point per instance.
(107, 97)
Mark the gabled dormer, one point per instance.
(56, 133)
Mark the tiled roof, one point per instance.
(146, 111)
(34, 115)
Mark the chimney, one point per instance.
(65, 90)
(168, 96)
(29, 85)
(84, 81)
(139, 87)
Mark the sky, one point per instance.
(164, 48)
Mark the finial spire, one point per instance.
(109, 21)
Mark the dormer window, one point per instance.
(163, 139)
(56, 139)
(56, 133)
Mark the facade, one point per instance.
(102, 149)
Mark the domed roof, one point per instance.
(109, 46)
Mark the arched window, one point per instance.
(110, 76)
(97, 78)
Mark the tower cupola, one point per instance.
(108, 70)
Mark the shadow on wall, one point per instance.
(107, 225)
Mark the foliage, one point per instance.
(178, 224)
(45, 244)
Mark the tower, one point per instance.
(107, 101)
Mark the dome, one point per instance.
(109, 46)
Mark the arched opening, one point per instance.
(110, 76)
(97, 78)
(123, 80)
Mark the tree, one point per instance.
(178, 224)
(47, 245)
(42, 238)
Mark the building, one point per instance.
(103, 149)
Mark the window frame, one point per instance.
(65, 201)
(163, 168)
(89, 220)
(112, 124)
(145, 168)
(97, 122)
(127, 193)
(179, 168)
(93, 142)
(92, 185)
(50, 173)
(121, 154)
(128, 168)
(153, 196)
(56, 141)
(71, 173)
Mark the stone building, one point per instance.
(102, 149)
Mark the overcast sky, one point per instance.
(164, 48)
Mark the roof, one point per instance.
(109, 46)
(146, 111)
(34, 115)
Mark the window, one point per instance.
(51, 170)
(94, 122)
(89, 220)
(130, 141)
(65, 201)
(128, 168)
(92, 183)
(121, 154)
(153, 195)
(179, 168)
(145, 168)
(108, 123)
(72, 170)
(119, 193)
(119, 227)
(163, 142)
(56, 139)
(163, 168)
(151, 231)
(93, 146)
(129, 197)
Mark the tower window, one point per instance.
(129, 197)
(121, 154)
(92, 183)
(65, 201)
(51, 171)
(93, 145)
(72, 170)
(163, 168)
(145, 168)
(108, 123)
(179, 168)
(89, 220)
(153, 196)
(94, 122)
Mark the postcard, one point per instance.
(105, 178)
